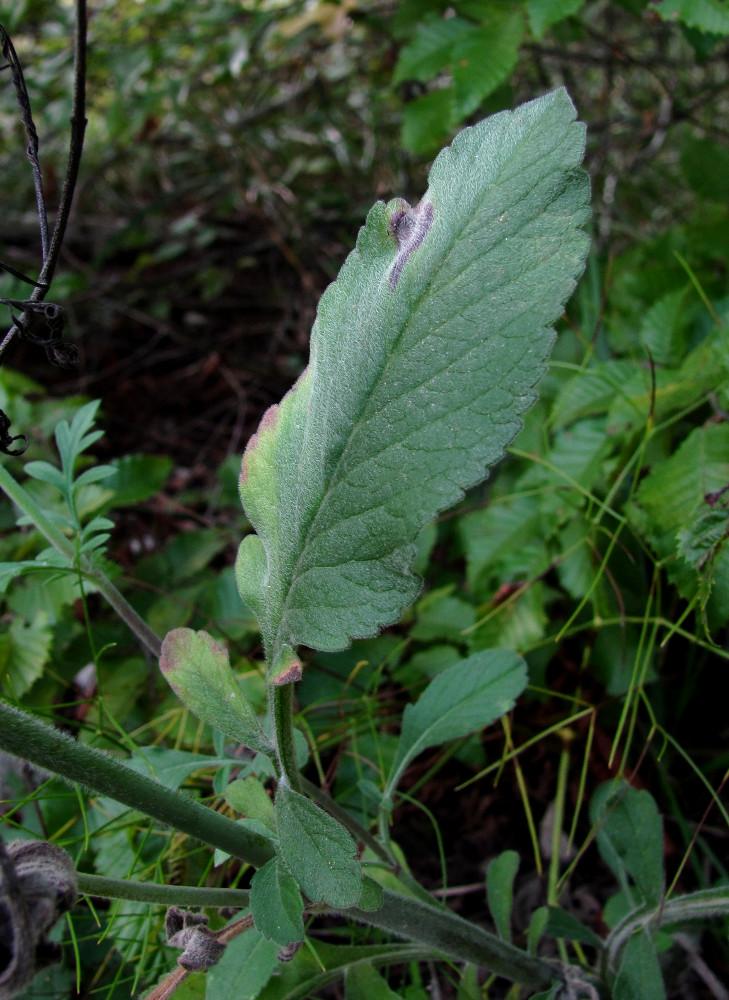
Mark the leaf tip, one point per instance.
(175, 643)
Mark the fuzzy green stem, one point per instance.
(25, 502)
(29, 738)
(164, 895)
(281, 707)
(449, 934)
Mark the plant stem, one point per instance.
(25, 502)
(78, 131)
(449, 934)
(29, 738)
(164, 895)
(281, 707)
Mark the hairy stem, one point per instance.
(29, 738)
(281, 707)
(449, 934)
(78, 131)
(164, 895)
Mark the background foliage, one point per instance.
(232, 151)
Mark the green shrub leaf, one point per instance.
(317, 850)
(198, 671)
(464, 698)
(246, 966)
(424, 355)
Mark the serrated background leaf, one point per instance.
(431, 48)
(705, 15)
(543, 13)
(412, 393)
(24, 651)
(317, 850)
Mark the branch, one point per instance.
(30, 739)
(78, 131)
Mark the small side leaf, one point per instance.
(639, 976)
(248, 797)
(464, 698)
(630, 838)
(561, 924)
(372, 896)
(317, 850)
(198, 671)
(276, 904)
(500, 891)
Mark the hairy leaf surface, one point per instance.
(424, 354)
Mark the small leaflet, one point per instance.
(410, 226)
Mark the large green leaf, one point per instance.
(424, 355)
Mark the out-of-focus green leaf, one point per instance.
(432, 48)
(365, 983)
(483, 60)
(24, 651)
(137, 478)
(247, 964)
(544, 13)
(639, 976)
(705, 15)
(500, 876)
(428, 121)
(673, 496)
(630, 836)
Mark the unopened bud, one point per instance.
(189, 931)
(38, 886)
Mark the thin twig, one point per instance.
(26, 116)
(78, 130)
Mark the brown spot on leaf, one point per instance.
(410, 227)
